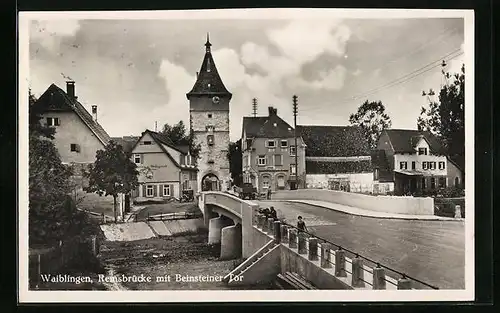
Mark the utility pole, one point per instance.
(254, 107)
(295, 135)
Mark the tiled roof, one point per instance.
(267, 127)
(322, 167)
(208, 74)
(56, 99)
(405, 140)
(127, 142)
(333, 141)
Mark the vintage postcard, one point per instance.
(235, 155)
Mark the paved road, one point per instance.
(431, 251)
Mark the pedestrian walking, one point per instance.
(268, 193)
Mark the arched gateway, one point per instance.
(210, 182)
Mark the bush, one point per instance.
(446, 207)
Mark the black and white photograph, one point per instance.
(235, 155)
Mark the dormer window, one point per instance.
(271, 144)
(284, 143)
(422, 151)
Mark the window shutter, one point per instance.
(142, 158)
(155, 190)
(171, 186)
(144, 190)
(161, 190)
(183, 159)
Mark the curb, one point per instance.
(437, 218)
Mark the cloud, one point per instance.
(177, 83)
(298, 43)
(49, 33)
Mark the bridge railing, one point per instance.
(226, 200)
(309, 244)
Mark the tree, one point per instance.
(372, 119)
(52, 213)
(178, 136)
(234, 155)
(445, 118)
(112, 173)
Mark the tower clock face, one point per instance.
(215, 99)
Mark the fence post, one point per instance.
(404, 283)
(301, 246)
(277, 231)
(325, 255)
(313, 249)
(340, 263)
(292, 238)
(379, 278)
(284, 233)
(270, 225)
(357, 272)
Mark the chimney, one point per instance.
(272, 111)
(94, 112)
(70, 89)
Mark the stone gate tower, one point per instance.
(209, 118)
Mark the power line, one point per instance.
(397, 81)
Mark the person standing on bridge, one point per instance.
(273, 213)
(301, 225)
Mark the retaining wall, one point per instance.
(380, 203)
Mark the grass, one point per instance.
(95, 203)
(171, 207)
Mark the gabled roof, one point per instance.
(54, 99)
(333, 141)
(405, 140)
(208, 74)
(271, 126)
(127, 142)
(162, 140)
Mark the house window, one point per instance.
(147, 143)
(442, 165)
(433, 183)
(149, 190)
(403, 165)
(278, 160)
(424, 183)
(166, 190)
(137, 159)
(53, 121)
(375, 174)
(432, 165)
(442, 182)
(284, 143)
(262, 160)
(422, 151)
(457, 182)
(292, 169)
(292, 150)
(185, 185)
(192, 175)
(424, 165)
(210, 140)
(413, 165)
(265, 182)
(271, 144)
(74, 147)
(209, 115)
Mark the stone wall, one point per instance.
(386, 204)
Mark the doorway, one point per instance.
(210, 182)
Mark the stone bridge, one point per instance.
(271, 250)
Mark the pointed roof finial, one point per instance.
(208, 44)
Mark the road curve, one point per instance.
(431, 251)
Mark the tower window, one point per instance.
(209, 115)
(210, 140)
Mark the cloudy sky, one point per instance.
(139, 71)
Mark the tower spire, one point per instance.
(208, 44)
